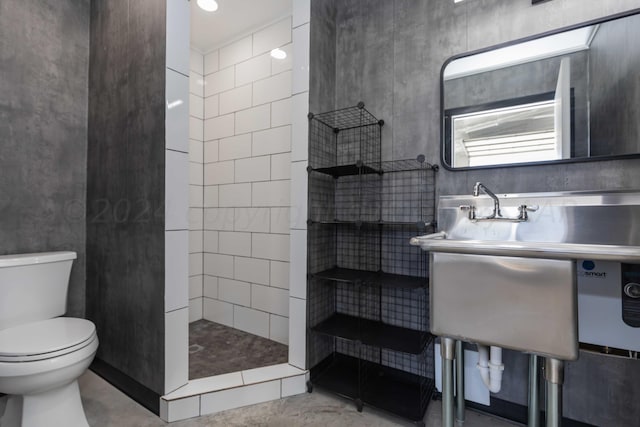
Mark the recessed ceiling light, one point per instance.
(278, 53)
(208, 5)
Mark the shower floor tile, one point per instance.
(216, 349)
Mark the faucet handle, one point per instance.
(471, 209)
(524, 209)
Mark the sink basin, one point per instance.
(513, 284)
(525, 304)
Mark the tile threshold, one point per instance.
(234, 380)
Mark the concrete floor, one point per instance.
(105, 406)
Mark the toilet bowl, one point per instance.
(40, 363)
(41, 356)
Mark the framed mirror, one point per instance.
(563, 96)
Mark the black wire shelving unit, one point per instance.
(367, 292)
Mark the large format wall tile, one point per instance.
(247, 171)
(43, 129)
(390, 57)
(126, 187)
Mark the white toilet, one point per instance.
(41, 354)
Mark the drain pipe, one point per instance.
(490, 368)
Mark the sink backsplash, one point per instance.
(607, 218)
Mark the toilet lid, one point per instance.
(45, 339)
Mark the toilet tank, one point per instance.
(33, 286)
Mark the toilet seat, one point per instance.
(45, 339)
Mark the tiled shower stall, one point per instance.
(240, 133)
(246, 195)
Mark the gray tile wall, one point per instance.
(322, 61)
(44, 55)
(125, 186)
(615, 95)
(389, 54)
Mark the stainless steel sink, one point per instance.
(503, 273)
(511, 282)
(525, 304)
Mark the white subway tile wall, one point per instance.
(195, 287)
(279, 220)
(279, 328)
(252, 270)
(253, 119)
(219, 81)
(196, 184)
(211, 63)
(218, 311)
(211, 106)
(296, 278)
(195, 309)
(177, 215)
(235, 52)
(177, 178)
(279, 274)
(280, 65)
(211, 287)
(234, 195)
(195, 219)
(254, 69)
(234, 291)
(219, 127)
(235, 99)
(176, 359)
(272, 141)
(281, 113)
(267, 270)
(246, 176)
(211, 151)
(256, 220)
(176, 249)
(276, 35)
(301, 38)
(196, 106)
(272, 89)
(255, 322)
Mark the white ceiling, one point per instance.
(233, 19)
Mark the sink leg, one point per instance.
(447, 352)
(534, 393)
(459, 382)
(554, 376)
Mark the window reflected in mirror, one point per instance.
(566, 96)
(522, 133)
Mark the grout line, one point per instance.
(179, 72)
(177, 151)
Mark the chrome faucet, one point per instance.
(496, 215)
(496, 202)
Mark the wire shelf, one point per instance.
(345, 142)
(400, 383)
(402, 193)
(367, 289)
